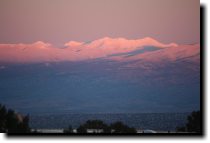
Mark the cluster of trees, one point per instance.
(11, 122)
(117, 127)
(193, 123)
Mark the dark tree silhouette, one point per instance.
(93, 124)
(3, 114)
(11, 122)
(119, 127)
(193, 123)
(69, 130)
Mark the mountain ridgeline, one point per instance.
(103, 76)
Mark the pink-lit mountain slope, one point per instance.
(118, 49)
(174, 53)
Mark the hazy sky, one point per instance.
(60, 21)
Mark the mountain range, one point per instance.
(108, 75)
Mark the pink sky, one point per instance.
(60, 21)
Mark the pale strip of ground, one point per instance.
(75, 131)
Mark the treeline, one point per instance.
(98, 126)
(12, 122)
(193, 123)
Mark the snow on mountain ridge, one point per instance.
(121, 42)
(101, 48)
